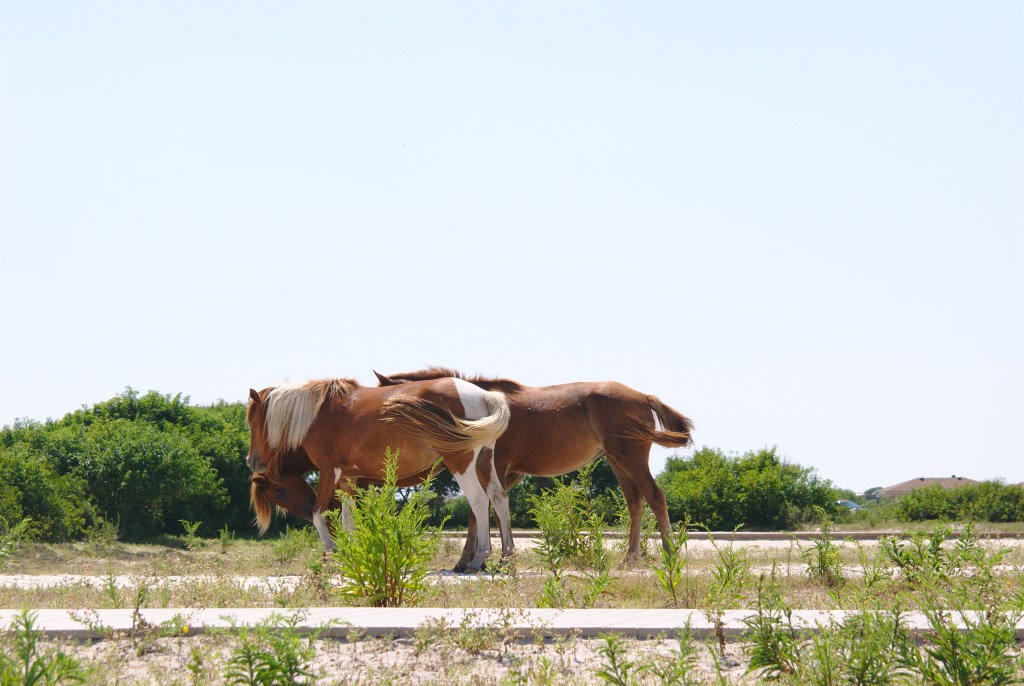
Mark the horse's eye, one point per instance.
(280, 493)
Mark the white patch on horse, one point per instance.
(478, 502)
(337, 475)
(474, 406)
(499, 499)
(325, 534)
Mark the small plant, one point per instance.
(985, 653)
(31, 666)
(775, 646)
(112, 589)
(192, 541)
(272, 653)
(919, 557)
(101, 536)
(570, 527)
(474, 636)
(726, 588)
(615, 668)
(385, 558)
(680, 668)
(824, 558)
(226, 538)
(10, 538)
(871, 647)
(294, 542)
(673, 562)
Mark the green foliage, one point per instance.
(272, 654)
(732, 567)
(681, 666)
(192, 541)
(756, 490)
(10, 537)
(385, 558)
(30, 488)
(570, 528)
(28, 665)
(775, 645)
(918, 556)
(673, 562)
(142, 461)
(989, 501)
(602, 493)
(986, 653)
(144, 478)
(615, 668)
(824, 558)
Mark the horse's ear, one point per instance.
(383, 380)
(253, 395)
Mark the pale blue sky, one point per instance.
(800, 223)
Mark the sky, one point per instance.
(799, 223)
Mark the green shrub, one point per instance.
(31, 488)
(272, 653)
(146, 479)
(385, 559)
(989, 501)
(757, 490)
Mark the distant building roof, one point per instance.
(923, 482)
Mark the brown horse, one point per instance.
(344, 430)
(557, 429)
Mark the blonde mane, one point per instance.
(292, 408)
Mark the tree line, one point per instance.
(145, 462)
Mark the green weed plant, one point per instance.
(384, 560)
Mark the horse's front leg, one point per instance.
(324, 496)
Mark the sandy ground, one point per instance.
(404, 661)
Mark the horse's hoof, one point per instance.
(631, 561)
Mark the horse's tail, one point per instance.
(261, 504)
(675, 427)
(442, 430)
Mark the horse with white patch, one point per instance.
(554, 430)
(343, 430)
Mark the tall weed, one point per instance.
(28, 664)
(384, 560)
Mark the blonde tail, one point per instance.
(442, 430)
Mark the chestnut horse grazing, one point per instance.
(343, 430)
(557, 429)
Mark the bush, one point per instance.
(756, 490)
(990, 501)
(31, 488)
(144, 461)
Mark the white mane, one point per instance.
(292, 408)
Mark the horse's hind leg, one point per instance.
(632, 459)
(635, 505)
(477, 496)
(487, 473)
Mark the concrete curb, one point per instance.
(766, 535)
(343, 622)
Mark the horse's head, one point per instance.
(288, 491)
(255, 417)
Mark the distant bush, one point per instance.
(989, 501)
(144, 462)
(31, 488)
(756, 490)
